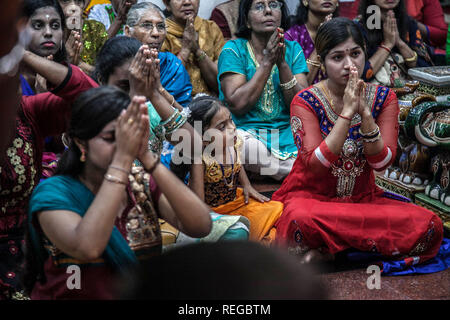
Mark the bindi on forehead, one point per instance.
(46, 13)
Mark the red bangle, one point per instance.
(341, 116)
(385, 48)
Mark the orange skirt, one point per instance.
(262, 216)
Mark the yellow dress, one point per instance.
(225, 197)
(94, 37)
(210, 40)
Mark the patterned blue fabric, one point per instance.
(398, 268)
(174, 78)
(439, 263)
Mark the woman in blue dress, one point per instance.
(259, 74)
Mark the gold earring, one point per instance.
(305, 3)
(83, 156)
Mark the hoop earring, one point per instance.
(83, 155)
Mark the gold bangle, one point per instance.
(114, 179)
(369, 134)
(313, 63)
(289, 85)
(413, 58)
(120, 169)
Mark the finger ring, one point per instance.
(130, 121)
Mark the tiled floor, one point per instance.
(352, 284)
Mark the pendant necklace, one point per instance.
(231, 183)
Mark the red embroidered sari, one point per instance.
(331, 202)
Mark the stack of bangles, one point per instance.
(174, 122)
(114, 179)
(289, 85)
(372, 136)
(313, 63)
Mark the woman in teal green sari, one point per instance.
(259, 74)
(99, 213)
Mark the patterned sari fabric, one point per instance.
(94, 36)
(224, 196)
(39, 116)
(19, 176)
(331, 201)
(211, 41)
(395, 67)
(300, 34)
(136, 236)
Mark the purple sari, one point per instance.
(300, 34)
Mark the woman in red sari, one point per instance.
(344, 130)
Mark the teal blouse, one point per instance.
(270, 112)
(66, 193)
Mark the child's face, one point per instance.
(224, 126)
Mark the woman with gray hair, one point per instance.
(146, 22)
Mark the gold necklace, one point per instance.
(327, 93)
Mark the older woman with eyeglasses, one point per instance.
(259, 74)
(146, 22)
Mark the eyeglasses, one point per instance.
(273, 5)
(161, 27)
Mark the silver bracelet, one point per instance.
(289, 85)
